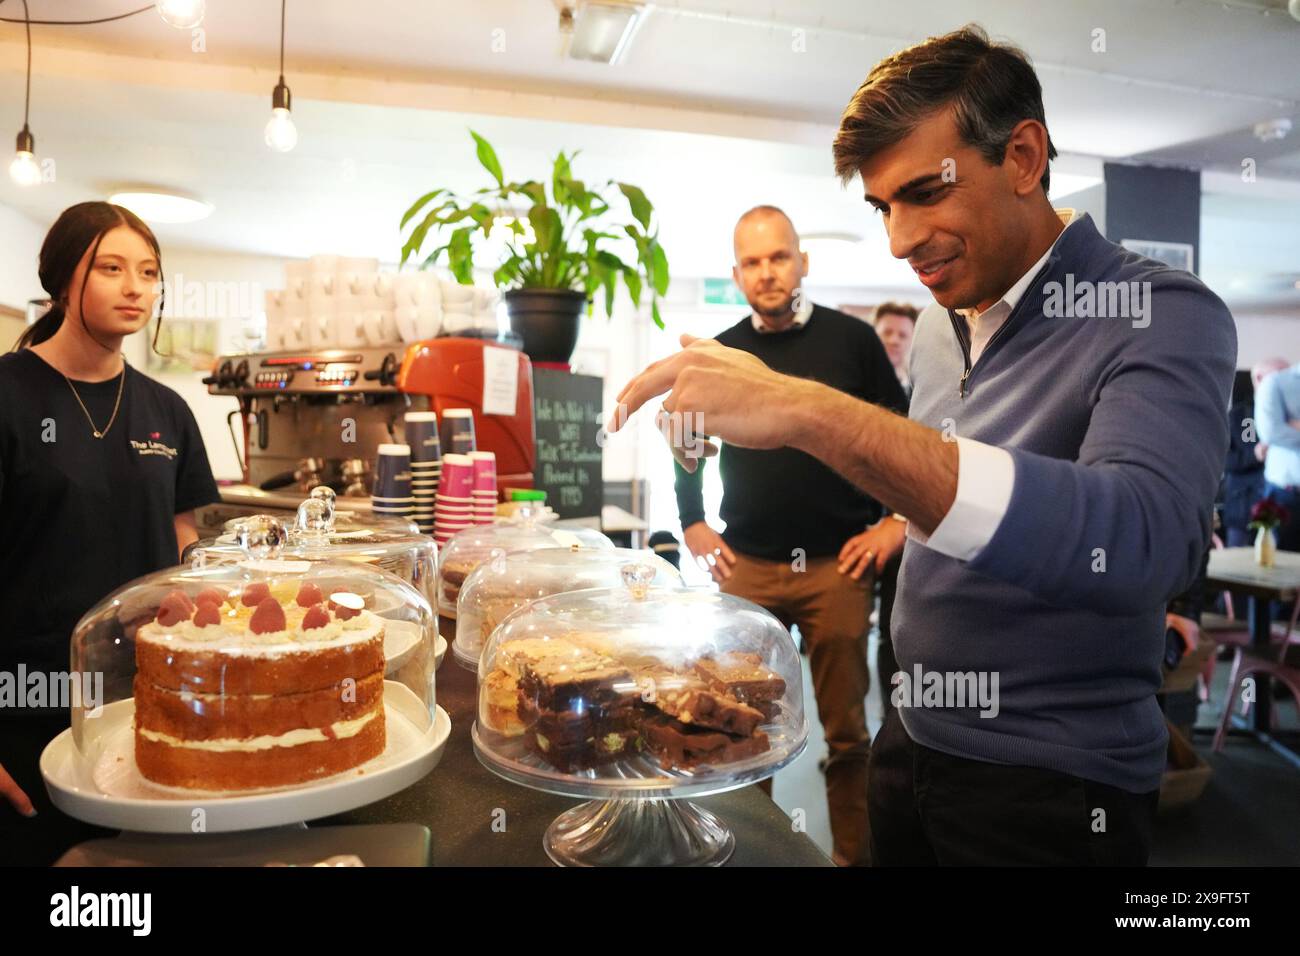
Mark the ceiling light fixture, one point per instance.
(161, 205)
(182, 14)
(281, 135)
(603, 32)
(24, 169)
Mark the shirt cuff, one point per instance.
(986, 475)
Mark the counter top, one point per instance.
(459, 801)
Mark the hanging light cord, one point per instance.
(27, 100)
(282, 5)
(72, 23)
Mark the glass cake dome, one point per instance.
(247, 677)
(507, 581)
(529, 530)
(322, 532)
(639, 696)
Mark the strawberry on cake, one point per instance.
(260, 688)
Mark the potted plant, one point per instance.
(1266, 515)
(571, 249)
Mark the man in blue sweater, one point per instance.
(1067, 432)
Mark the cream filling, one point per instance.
(232, 636)
(294, 738)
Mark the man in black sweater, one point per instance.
(789, 517)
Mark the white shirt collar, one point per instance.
(801, 317)
(1013, 295)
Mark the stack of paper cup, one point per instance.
(426, 465)
(454, 505)
(456, 431)
(392, 490)
(484, 490)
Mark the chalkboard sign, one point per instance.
(567, 410)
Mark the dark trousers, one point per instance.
(933, 809)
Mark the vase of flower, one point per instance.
(1265, 516)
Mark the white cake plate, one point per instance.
(104, 787)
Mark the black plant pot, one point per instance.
(547, 320)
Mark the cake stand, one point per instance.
(638, 813)
(102, 785)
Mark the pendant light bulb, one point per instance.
(281, 134)
(182, 14)
(24, 170)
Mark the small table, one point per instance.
(1235, 570)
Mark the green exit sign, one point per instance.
(722, 292)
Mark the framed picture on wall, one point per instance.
(1176, 255)
(185, 345)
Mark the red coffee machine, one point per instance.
(450, 372)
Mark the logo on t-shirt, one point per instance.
(153, 446)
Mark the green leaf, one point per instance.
(418, 205)
(460, 255)
(633, 280)
(659, 269)
(416, 239)
(611, 261)
(546, 227)
(534, 191)
(487, 156)
(641, 208)
(432, 258)
(559, 174)
(654, 312)
(484, 216)
(611, 281)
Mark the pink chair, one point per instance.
(1247, 663)
(1228, 631)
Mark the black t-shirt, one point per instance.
(80, 516)
(777, 500)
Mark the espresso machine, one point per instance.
(318, 417)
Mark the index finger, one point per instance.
(651, 382)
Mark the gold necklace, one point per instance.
(116, 404)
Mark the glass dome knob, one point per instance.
(315, 518)
(260, 536)
(637, 578)
(324, 494)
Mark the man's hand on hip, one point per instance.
(711, 552)
(873, 548)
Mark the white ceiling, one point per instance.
(1179, 82)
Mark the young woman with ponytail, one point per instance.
(101, 468)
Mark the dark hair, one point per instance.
(991, 87)
(895, 308)
(77, 229)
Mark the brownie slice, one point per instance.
(744, 677)
(705, 707)
(684, 747)
(575, 680)
(580, 739)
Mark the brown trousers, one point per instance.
(832, 611)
